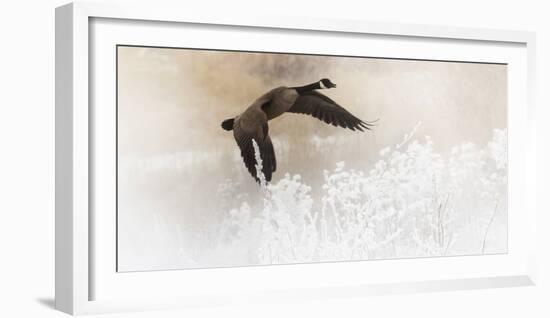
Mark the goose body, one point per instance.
(252, 124)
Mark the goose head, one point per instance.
(326, 83)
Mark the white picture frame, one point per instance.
(77, 271)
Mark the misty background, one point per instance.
(180, 174)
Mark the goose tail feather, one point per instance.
(228, 124)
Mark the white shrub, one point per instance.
(412, 203)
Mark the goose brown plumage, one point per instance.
(252, 124)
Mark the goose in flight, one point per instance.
(252, 123)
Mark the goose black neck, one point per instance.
(307, 88)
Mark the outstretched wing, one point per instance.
(325, 109)
(247, 129)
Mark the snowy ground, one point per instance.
(413, 202)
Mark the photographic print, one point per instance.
(230, 158)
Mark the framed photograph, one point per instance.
(209, 159)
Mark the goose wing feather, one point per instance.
(325, 109)
(252, 125)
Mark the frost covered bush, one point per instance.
(413, 202)
(288, 228)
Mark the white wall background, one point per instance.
(27, 160)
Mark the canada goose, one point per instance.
(252, 123)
